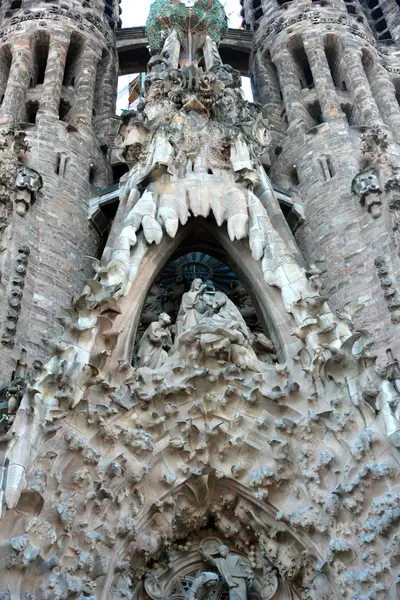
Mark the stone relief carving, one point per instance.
(12, 148)
(390, 292)
(202, 158)
(152, 346)
(234, 574)
(201, 586)
(221, 332)
(193, 307)
(15, 298)
(207, 411)
(367, 187)
(118, 473)
(234, 570)
(28, 183)
(310, 12)
(208, 324)
(56, 13)
(375, 146)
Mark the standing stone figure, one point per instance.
(156, 338)
(234, 570)
(191, 305)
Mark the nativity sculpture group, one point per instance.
(221, 571)
(208, 324)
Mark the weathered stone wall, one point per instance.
(59, 85)
(335, 79)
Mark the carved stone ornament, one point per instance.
(28, 183)
(367, 187)
(202, 469)
(12, 148)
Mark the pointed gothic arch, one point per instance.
(266, 299)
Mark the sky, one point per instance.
(134, 14)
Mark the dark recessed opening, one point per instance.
(31, 111)
(118, 171)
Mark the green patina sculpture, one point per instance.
(204, 17)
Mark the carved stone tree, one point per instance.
(203, 472)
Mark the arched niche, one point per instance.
(207, 500)
(206, 259)
(204, 235)
(188, 568)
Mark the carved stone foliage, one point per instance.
(115, 477)
(112, 469)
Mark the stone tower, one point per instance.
(325, 80)
(57, 90)
(207, 425)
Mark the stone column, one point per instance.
(85, 86)
(53, 79)
(324, 84)
(385, 96)
(105, 91)
(18, 81)
(358, 86)
(291, 89)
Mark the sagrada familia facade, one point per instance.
(200, 302)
